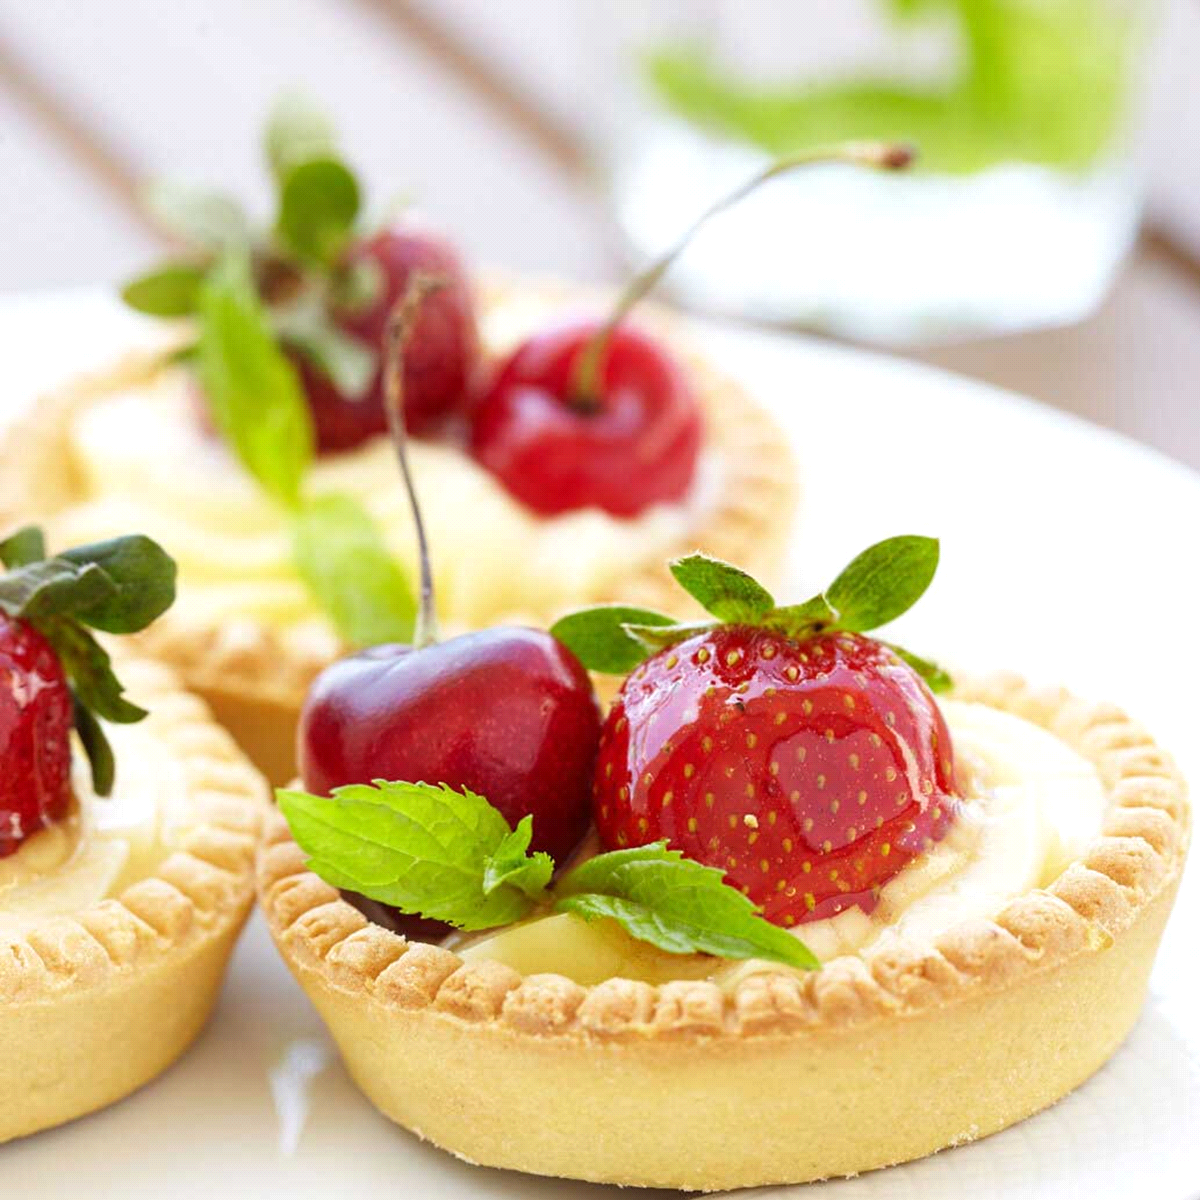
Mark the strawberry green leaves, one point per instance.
(257, 404)
(118, 586)
(172, 290)
(883, 582)
(450, 856)
(600, 639)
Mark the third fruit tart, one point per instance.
(781, 914)
(122, 886)
(570, 454)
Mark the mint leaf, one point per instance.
(305, 324)
(253, 392)
(513, 865)
(722, 589)
(170, 291)
(676, 904)
(201, 218)
(297, 132)
(599, 639)
(142, 576)
(96, 747)
(937, 679)
(421, 848)
(26, 546)
(885, 580)
(318, 204)
(343, 559)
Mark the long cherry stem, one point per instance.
(882, 156)
(400, 323)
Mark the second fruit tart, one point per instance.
(825, 922)
(567, 455)
(123, 886)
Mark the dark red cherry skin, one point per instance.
(635, 446)
(36, 715)
(416, 929)
(509, 713)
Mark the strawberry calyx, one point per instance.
(879, 585)
(116, 587)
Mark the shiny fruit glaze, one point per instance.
(810, 772)
(36, 717)
(632, 445)
(507, 712)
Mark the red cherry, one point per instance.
(509, 713)
(632, 444)
(36, 716)
(810, 772)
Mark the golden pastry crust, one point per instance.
(784, 1078)
(95, 1003)
(255, 676)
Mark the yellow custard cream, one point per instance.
(145, 462)
(1031, 805)
(106, 843)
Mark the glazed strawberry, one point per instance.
(810, 771)
(35, 725)
(601, 416)
(779, 744)
(54, 676)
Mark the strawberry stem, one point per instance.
(587, 375)
(400, 324)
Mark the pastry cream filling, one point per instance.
(144, 462)
(106, 843)
(1030, 805)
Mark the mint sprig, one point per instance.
(260, 299)
(117, 586)
(883, 582)
(450, 856)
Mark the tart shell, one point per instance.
(256, 678)
(788, 1077)
(96, 1003)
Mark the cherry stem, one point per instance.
(400, 323)
(882, 156)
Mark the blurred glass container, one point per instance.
(1026, 200)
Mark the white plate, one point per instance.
(1068, 553)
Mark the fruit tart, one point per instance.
(127, 836)
(572, 454)
(795, 889)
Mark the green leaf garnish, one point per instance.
(722, 589)
(169, 291)
(343, 559)
(117, 586)
(884, 581)
(203, 219)
(676, 904)
(513, 865)
(421, 848)
(252, 390)
(936, 678)
(318, 206)
(449, 855)
(599, 639)
(260, 300)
